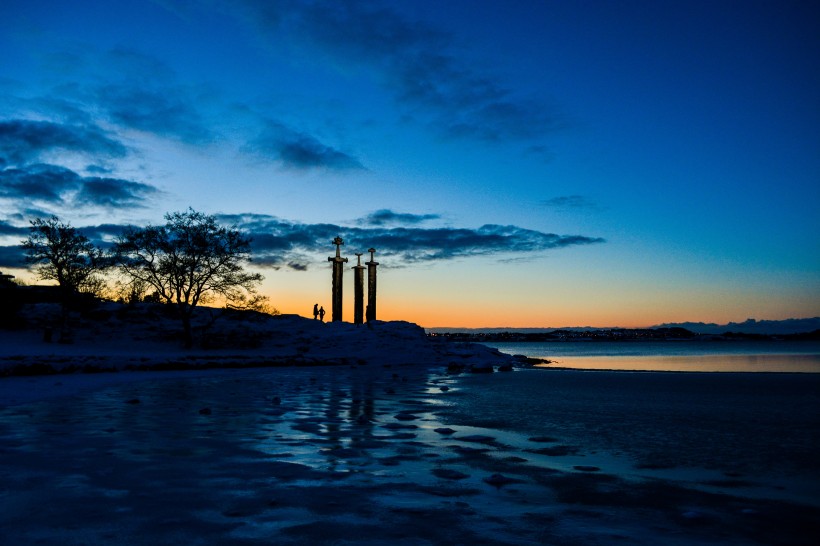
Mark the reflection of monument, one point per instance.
(371, 286)
(358, 290)
(336, 314)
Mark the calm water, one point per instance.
(702, 356)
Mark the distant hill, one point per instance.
(750, 326)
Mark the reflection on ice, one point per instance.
(354, 455)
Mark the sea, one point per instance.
(673, 356)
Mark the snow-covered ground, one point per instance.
(114, 337)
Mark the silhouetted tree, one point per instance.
(188, 261)
(60, 253)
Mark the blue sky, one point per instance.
(514, 163)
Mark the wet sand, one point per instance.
(366, 455)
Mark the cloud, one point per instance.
(8, 229)
(113, 192)
(298, 150)
(12, 256)
(147, 96)
(417, 64)
(166, 111)
(25, 141)
(39, 182)
(388, 217)
(130, 90)
(102, 233)
(569, 202)
(57, 185)
(278, 242)
(417, 244)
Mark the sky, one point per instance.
(516, 163)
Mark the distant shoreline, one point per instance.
(618, 335)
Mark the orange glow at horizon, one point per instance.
(436, 301)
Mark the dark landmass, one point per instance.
(792, 326)
(752, 326)
(618, 334)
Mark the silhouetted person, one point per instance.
(315, 311)
(322, 314)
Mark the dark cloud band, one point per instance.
(26, 141)
(388, 217)
(278, 242)
(57, 185)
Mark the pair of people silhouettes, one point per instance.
(318, 312)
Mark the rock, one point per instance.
(133, 401)
(205, 411)
(444, 430)
(542, 439)
(499, 480)
(449, 474)
(557, 451)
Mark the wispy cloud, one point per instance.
(385, 217)
(167, 111)
(570, 202)
(122, 88)
(140, 92)
(416, 62)
(24, 141)
(298, 150)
